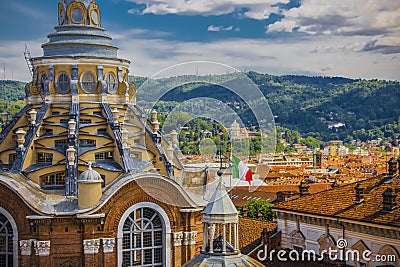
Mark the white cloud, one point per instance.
(213, 28)
(342, 17)
(330, 55)
(256, 9)
(316, 55)
(12, 58)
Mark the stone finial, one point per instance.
(71, 151)
(124, 137)
(32, 116)
(156, 125)
(174, 138)
(71, 126)
(170, 152)
(42, 248)
(20, 137)
(154, 115)
(91, 246)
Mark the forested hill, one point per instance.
(323, 107)
(12, 96)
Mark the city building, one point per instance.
(366, 215)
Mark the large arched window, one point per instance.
(8, 237)
(144, 236)
(142, 239)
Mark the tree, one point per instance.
(260, 206)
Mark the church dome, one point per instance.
(90, 175)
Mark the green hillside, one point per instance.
(12, 96)
(323, 107)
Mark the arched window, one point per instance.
(112, 84)
(88, 82)
(8, 256)
(144, 236)
(142, 239)
(63, 83)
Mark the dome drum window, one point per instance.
(112, 84)
(77, 13)
(63, 83)
(88, 82)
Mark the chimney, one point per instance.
(304, 188)
(392, 166)
(359, 194)
(389, 200)
(335, 184)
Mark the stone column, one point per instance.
(224, 238)
(205, 237)
(236, 236)
(230, 233)
(212, 231)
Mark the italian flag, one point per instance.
(240, 170)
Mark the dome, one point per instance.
(90, 175)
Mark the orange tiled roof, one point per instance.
(341, 202)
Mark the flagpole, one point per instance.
(230, 177)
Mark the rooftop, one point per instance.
(341, 202)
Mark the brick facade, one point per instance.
(69, 236)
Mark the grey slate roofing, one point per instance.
(220, 203)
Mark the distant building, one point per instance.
(365, 215)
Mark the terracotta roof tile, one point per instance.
(341, 202)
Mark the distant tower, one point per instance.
(235, 130)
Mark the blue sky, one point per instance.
(357, 39)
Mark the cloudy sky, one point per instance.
(350, 38)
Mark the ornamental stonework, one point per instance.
(108, 245)
(178, 237)
(26, 247)
(189, 238)
(91, 246)
(42, 248)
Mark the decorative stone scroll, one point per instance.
(26, 247)
(108, 245)
(91, 246)
(178, 237)
(189, 238)
(42, 248)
